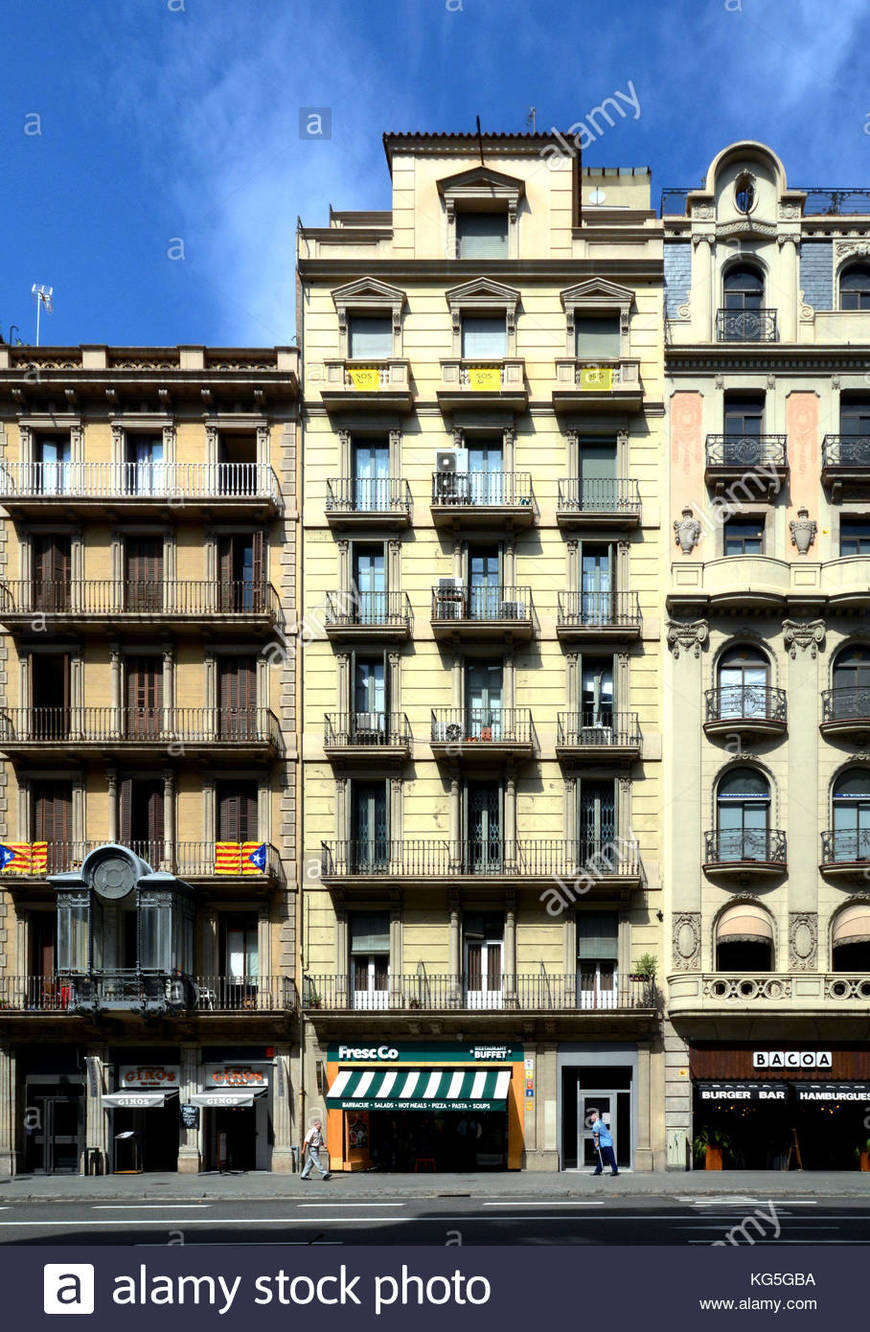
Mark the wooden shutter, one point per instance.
(238, 698)
(125, 810)
(258, 565)
(52, 822)
(144, 696)
(144, 573)
(226, 573)
(52, 571)
(237, 812)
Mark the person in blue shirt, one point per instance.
(603, 1143)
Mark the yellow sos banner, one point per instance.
(486, 377)
(597, 378)
(368, 379)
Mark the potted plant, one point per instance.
(862, 1151)
(645, 967)
(712, 1144)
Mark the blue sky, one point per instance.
(170, 124)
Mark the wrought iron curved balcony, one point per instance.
(846, 852)
(846, 711)
(846, 461)
(745, 852)
(755, 465)
(759, 709)
(599, 502)
(746, 326)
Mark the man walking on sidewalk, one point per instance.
(603, 1144)
(313, 1142)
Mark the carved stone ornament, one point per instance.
(859, 248)
(688, 531)
(803, 634)
(803, 940)
(686, 940)
(803, 531)
(687, 634)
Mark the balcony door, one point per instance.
(237, 809)
(141, 817)
(484, 687)
(744, 675)
(240, 957)
(51, 805)
(237, 694)
(854, 431)
(486, 471)
(371, 475)
(597, 337)
(242, 570)
(596, 696)
(597, 473)
(370, 584)
(370, 337)
(146, 468)
(597, 818)
(851, 681)
(744, 425)
(42, 985)
(743, 811)
(484, 955)
(369, 828)
(52, 456)
(369, 933)
(50, 695)
(597, 578)
(52, 572)
(483, 820)
(484, 582)
(144, 697)
(851, 812)
(369, 718)
(484, 337)
(143, 574)
(597, 954)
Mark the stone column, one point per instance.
(116, 695)
(190, 1139)
(169, 856)
(7, 1112)
(643, 1157)
(701, 298)
(509, 969)
(454, 942)
(683, 718)
(802, 639)
(788, 287)
(96, 1124)
(455, 820)
(542, 1146)
(282, 1113)
(112, 798)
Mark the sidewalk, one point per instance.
(360, 1187)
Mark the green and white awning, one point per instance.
(420, 1089)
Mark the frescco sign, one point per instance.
(791, 1059)
(367, 1052)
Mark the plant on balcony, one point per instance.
(711, 1144)
(645, 967)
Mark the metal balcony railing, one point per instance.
(496, 490)
(387, 610)
(159, 726)
(155, 993)
(598, 730)
(177, 481)
(745, 451)
(745, 703)
(421, 992)
(64, 993)
(378, 494)
(503, 726)
(764, 846)
(845, 451)
(746, 326)
(599, 610)
(600, 495)
(35, 859)
(249, 994)
(845, 846)
(537, 858)
(849, 703)
(375, 730)
(481, 604)
(144, 597)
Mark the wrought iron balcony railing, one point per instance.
(141, 480)
(746, 326)
(159, 726)
(598, 730)
(149, 598)
(373, 730)
(248, 994)
(726, 846)
(846, 452)
(599, 610)
(494, 490)
(145, 991)
(537, 858)
(481, 604)
(849, 703)
(387, 610)
(748, 703)
(196, 860)
(601, 495)
(482, 726)
(746, 451)
(374, 494)
(846, 846)
(421, 992)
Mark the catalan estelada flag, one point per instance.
(38, 857)
(253, 857)
(23, 857)
(228, 858)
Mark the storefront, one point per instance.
(144, 1116)
(781, 1108)
(235, 1103)
(51, 1096)
(602, 1078)
(411, 1106)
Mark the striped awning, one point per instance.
(472, 1088)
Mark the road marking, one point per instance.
(303, 1206)
(146, 1207)
(543, 1204)
(215, 1221)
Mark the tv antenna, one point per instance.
(531, 118)
(43, 297)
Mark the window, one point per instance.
(481, 235)
(141, 817)
(370, 337)
(597, 818)
(744, 536)
(483, 818)
(486, 470)
(851, 812)
(369, 936)
(484, 583)
(371, 475)
(744, 675)
(143, 574)
(146, 470)
(855, 287)
(850, 696)
(744, 424)
(237, 694)
(743, 289)
(597, 579)
(237, 811)
(51, 453)
(596, 691)
(240, 960)
(370, 584)
(52, 571)
(49, 693)
(484, 336)
(850, 940)
(370, 851)
(597, 953)
(483, 700)
(744, 939)
(855, 536)
(597, 473)
(369, 721)
(484, 950)
(51, 822)
(743, 815)
(597, 336)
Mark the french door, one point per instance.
(143, 574)
(52, 571)
(371, 476)
(50, 696)
(238, 699)
(596, 694)
(242, 568)
(52, 822)
(141, 817)
(370, 584)
(369, 720)
(369, 828)
(597, 818)
(597, 473)
(485, 849)
(484, 583)
(486, 472)
(53, 458)
(597, 579)
(483, 701)
(147, 470)
(144, 697)
(237, 811)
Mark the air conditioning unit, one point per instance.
(450, 585)
(596, 735)
(512, 610)
(369, 727)
(445, 461)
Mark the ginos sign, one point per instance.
(791, 1059)
(151, 1075)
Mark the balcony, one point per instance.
(482, 735)
(749, 583)
(612, 502)
(359, 503)
(616, 862)
(846, 711)
(483, 384)
(100, 604)
(150, 994)
(367, 737)
(745, 710)
(746, 468)
(845, 853)
(219, 864)
(746, 326)
(180, 490)
(597, 386)
(745, 853)
(421, 993)
(373, 617)
(132, 992)
(463, 500)
(207, 733)
(768, 993)
(376, 385)
(846, 464)
(604, 737)
(599, 617)
(463, 614)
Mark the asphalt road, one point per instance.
(322, 1220)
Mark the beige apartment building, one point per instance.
(147, 729)
(483, 464)
(767, 697)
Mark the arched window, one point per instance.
(851, 814)
(744, 679)
(744, 939)
(850, 939)
(850, 696)
(855, 287)
(743, 288)
(743, 815)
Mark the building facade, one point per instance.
(766, 698)
(148, 727)
(483, 462)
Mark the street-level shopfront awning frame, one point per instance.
(137, 1100)
(434, 1089)
(224, 1099)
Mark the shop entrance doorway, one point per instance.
(54, 1123)
(231, 1138)
(607, 1105)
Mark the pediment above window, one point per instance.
(369, 296)
(597, 296)
(481, 185)
(483, 293)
